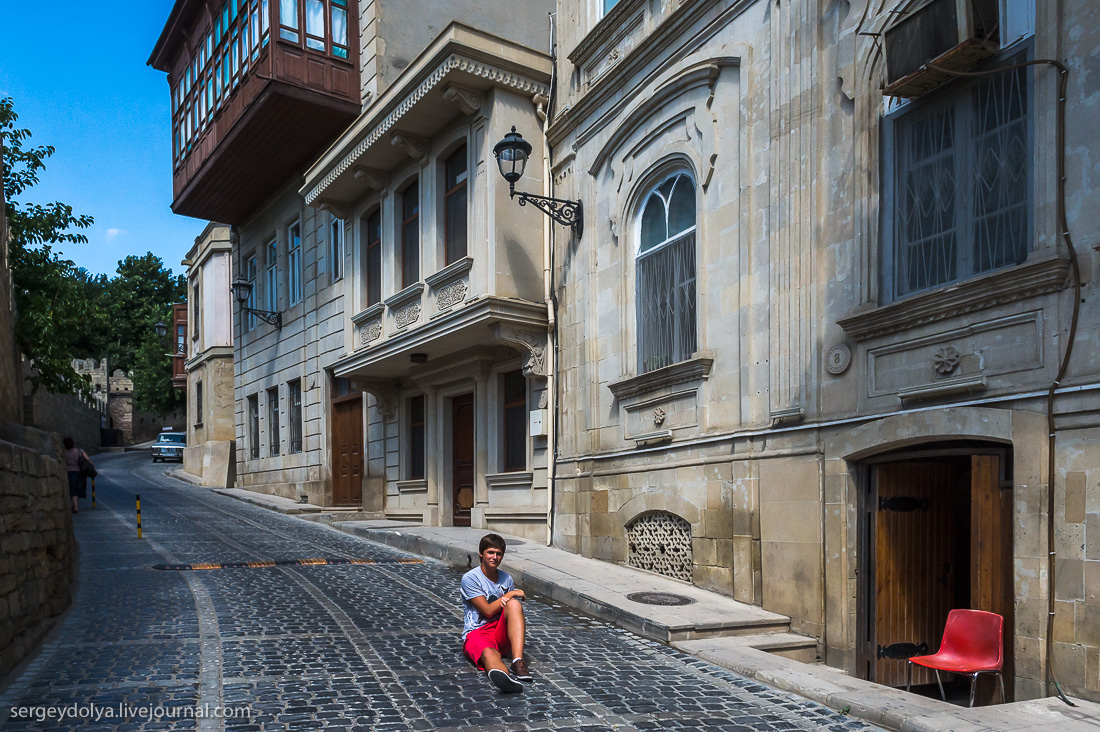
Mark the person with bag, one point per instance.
(80, 468)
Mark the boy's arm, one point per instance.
(490, 610)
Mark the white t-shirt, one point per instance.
(476, 584)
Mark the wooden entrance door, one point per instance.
(942, 533)
(347, 451)
(462, 458)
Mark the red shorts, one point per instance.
(494, 634)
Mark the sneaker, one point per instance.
(504, 682)
(520, 670)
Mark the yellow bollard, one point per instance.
(93, 492)
(138, 497)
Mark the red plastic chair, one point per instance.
(972, 644)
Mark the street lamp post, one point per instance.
(242, 290)
(511, 154)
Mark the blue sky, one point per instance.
(76, 71)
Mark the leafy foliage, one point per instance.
(53, 307)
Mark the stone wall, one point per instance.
(65, 414)
(36, 541)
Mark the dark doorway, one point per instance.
(937, 535)
(347, 450)
(462, 459)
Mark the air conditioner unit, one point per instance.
(953, 34)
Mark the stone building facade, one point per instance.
(211, 434)
(805, 343)
(113, 394)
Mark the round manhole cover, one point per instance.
(659, 598)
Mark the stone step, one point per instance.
(789, 645)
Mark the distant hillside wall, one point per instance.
(36, 540)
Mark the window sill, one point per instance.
(1027, 280)
(450, 272)
(412, 292)
(694, 369)
(415, 485)
(515, 479)
(373, 311)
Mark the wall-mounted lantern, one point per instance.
(511, 154)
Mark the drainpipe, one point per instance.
(543, 111)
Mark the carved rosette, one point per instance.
(370, 332)
(946, 360)
(407, 315)
(451, 295)
(531, 342)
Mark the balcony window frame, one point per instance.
(958, 99)
(459, 191)
(410, 233)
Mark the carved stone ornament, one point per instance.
(451, 295)
(838, 359)
(370, 332)
(466, 100)
(946, 360)
(532, 342)
(376, 180)
(384, 393)
(338, 210)
(407, 315)
(414, 147)
(658, 417)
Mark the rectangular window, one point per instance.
(196, 309)
(181, 339)
(198, 403)
(339, 28)
(336, 248)
(372, 234)
(315, 25)
(294, 264)
(271, 283)
(961, 183)
(250, 271)
(608, 4)
(515, 422)
(454, 205)
(254, 427)
(416, 438)
(273, 421)
(294, 418)
(410, 235)
(288, 19)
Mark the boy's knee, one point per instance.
(514, 608)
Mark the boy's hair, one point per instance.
(495, 541)
(68, 443)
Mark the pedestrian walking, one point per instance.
(494, 625)
(79, 467)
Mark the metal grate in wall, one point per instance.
(661, 542)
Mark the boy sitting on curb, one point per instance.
(493, 624)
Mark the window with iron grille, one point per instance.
(294, 416)
(515, 422)
(961, 190)
(372, 235)
(416, 438)
(454, 205)
(198, 403)
(273, 421)
(410, 235)
(665, 275)
(254, 427)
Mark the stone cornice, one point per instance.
(653, 46)
(1027, 280)
(373, 311)
(460, 54)
(509, 480)
(450, 272)
(693, 369)
(412, 292)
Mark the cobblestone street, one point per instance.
(329, 647)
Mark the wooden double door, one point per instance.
(938, 537)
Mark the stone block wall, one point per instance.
(36, 545)
(65, 414)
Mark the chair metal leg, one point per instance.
(973, 686)
(1001, 678)
(908, 675)
(940, 683)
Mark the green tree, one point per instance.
(54, 312)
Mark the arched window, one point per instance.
(665, 274)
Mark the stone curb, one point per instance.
(273, 503)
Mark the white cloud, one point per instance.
(113, 234)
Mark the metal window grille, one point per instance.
(273, 422)
(666, 304)
(294, 405)
(661, 542)
(963, 183)
(254, 427)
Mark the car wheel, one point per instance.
(155, 460)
